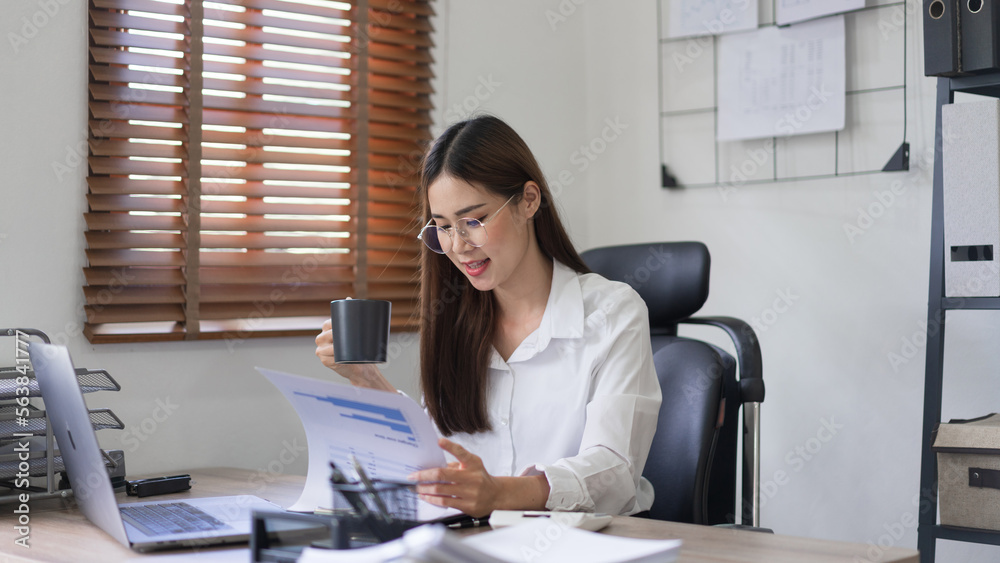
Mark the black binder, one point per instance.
(979, 21)
(942, 37)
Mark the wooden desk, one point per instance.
(61, 534)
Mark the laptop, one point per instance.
(143, 526)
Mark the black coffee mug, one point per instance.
(360, 330)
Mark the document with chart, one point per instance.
(782, 81)
(387, 432)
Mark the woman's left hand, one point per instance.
(465, 484)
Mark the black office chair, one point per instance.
(692, 462)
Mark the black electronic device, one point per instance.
(158, 486)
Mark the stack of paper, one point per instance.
(543, 541)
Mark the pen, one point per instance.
(363, 476)
(352, 497)
(470, 522)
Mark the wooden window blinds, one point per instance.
(250, 161)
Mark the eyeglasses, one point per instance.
(472, 231)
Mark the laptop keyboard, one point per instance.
(171, 518)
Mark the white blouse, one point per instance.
(578, 399)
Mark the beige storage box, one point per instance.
(968, 456)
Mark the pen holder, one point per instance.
(386, 509)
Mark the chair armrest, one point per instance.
(747, 352)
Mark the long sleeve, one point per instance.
(605, 476)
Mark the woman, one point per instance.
(538, 374)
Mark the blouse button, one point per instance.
(503, 421)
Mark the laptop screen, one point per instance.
(76, 438)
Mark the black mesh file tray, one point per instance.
(90, 381)
(36, 426)
(37, 467)
(24, 427)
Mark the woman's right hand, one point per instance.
(360, 375)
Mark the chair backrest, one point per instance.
(693, 458)
(671, 277)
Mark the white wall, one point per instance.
(826, 355)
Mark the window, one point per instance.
(251, 160)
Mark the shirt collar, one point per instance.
(563, 317)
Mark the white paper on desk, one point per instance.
(790, 11)
(543, 541)
(781, 81)
(548, 541)
(389, 433)
(711, 17)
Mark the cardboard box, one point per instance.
(968, 454)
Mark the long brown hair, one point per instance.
(458, 323)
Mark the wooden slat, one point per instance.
(105, 147)
(390, 19)
(260, 224)
(105, 202)
(119, 333)
(403, 69)
(113, 128)
(398, 37)
(106, 73)
(97, 314)
(123, 185)
(114, 277)
(114, 165)
(396, 116)
(278, 120)
(249, 293)
(255, 35)
(109, 38)
(259, 189)
(226, 311)
(233, 259)
(329, 60)
(331, 11)
(255, 18)
(401, 53)
(396, 100)
(386, 131)
(259, 173)
(125, 221)
(107, 92)
(259, 241)
(123, 111)
(96, 295)
(391, 242)
(127, 239)
(119, 258)
(255, 155)
(392, 179)
(257, 138)
(407, 7)
(114, 20)
(391, 195)
(142, 6)
(395, 84)
(283, 275)
(256, 86)
(255, 105)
